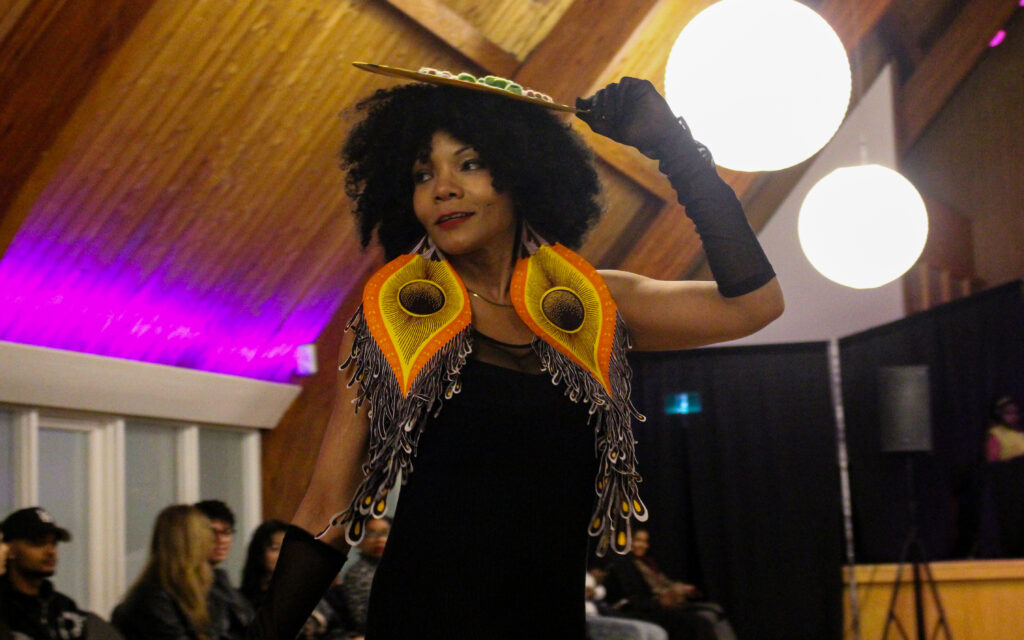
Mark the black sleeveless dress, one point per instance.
(490, 537)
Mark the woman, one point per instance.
(260, 560)
(460, 341)
(169, 599)
(1002, 526)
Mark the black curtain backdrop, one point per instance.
(744, 496)
(974, 349)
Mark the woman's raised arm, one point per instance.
(674, 315)
(338, 469)
(665, 315)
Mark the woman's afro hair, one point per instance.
(532, 155)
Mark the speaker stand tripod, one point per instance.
(913, 553)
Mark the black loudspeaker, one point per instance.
(905, 409)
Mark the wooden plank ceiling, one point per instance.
(169, 189)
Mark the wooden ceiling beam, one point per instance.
(576, 54)
(49, 57)
(854, 20)
(668, 247)
(946, 65)
(455, 31)
(580, 47)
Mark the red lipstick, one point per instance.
(451, 220)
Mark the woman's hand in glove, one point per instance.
(633, 113)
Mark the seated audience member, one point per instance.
(29, 605)
(230, 613)
(1002, 521)
(1005, 432)
(602, 625)
(169, 600)
(637, 588)
(358, 579)
(329, 619)
(260, 560)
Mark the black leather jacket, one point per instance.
(48, 616)
(151, 613)
(230, 613)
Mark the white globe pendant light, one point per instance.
(763, 83)
(863, 226)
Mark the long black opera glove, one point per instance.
(632, 112)
(305, 570)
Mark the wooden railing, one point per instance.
(981, 600)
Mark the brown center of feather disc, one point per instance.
(563, 308)
(421, 297)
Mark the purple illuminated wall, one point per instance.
(103, 309)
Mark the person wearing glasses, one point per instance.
(230, 612)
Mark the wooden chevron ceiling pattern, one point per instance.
(169, 188)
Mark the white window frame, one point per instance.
(106, 507)
(105, 471)
(107, 393)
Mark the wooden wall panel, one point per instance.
(50, 53)
(970, 157)
(202, 164)
(947, 64)
(623, 203)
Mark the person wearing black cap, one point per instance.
(30, 605)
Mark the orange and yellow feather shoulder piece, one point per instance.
(411, 340)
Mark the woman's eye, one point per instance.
(471, 164)
(420, 176)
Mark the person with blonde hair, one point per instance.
(169, 599)
(30, 604)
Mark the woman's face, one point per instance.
(455, 201)
(641, 543)
(1011, 415)
(272, 550)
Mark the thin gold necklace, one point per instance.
(487, 300)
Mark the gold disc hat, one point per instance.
(494, 85)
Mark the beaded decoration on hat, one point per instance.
(494, 85)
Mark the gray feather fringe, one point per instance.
(618, 497)
(396, 422)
